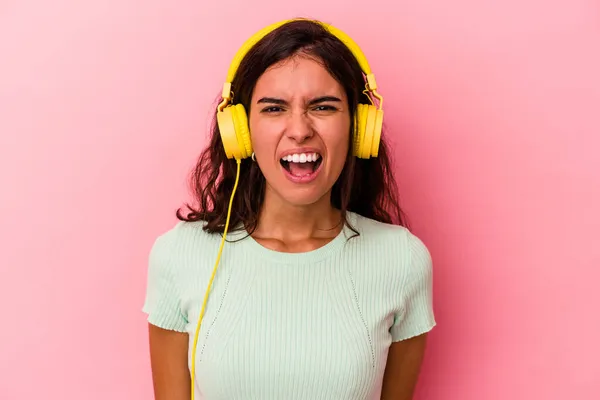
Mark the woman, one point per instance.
(321, 291)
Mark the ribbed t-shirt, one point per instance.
(312, 325)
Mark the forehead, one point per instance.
(299, 76)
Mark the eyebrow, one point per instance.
(316, 100)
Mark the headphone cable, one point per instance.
(193, 369)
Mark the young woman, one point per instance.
(321, 292)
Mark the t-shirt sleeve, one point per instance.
(162, 302)
(416, 315)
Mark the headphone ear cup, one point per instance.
(360, 125)
(365, 146)
(235, 135)
(242, 130)
(377, 133)
(369, 121)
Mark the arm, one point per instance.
(168, 359)
(402, 370)
(412, 323)
(167, 322)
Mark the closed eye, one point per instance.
(271, 109)
(325, 108)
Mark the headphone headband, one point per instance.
(371, 84)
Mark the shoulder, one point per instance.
(394, 250)
(184, 231)
(402, 265)
(393, 238)
(180, 240)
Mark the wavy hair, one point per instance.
(365, 186)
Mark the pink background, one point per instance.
(495, 114)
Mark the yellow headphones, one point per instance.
(233, 121)
(235, 133)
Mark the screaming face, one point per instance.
(300, 126)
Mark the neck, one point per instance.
(285, 222)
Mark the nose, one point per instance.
(299, 127)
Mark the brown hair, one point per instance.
(365, 186)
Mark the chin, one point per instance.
(302, 197)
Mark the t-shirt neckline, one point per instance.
(310, 256)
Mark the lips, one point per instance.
(301, 165)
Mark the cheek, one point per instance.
(262, 134)
(337, 140)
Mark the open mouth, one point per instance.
(301, 165)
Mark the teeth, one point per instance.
(301, 157)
